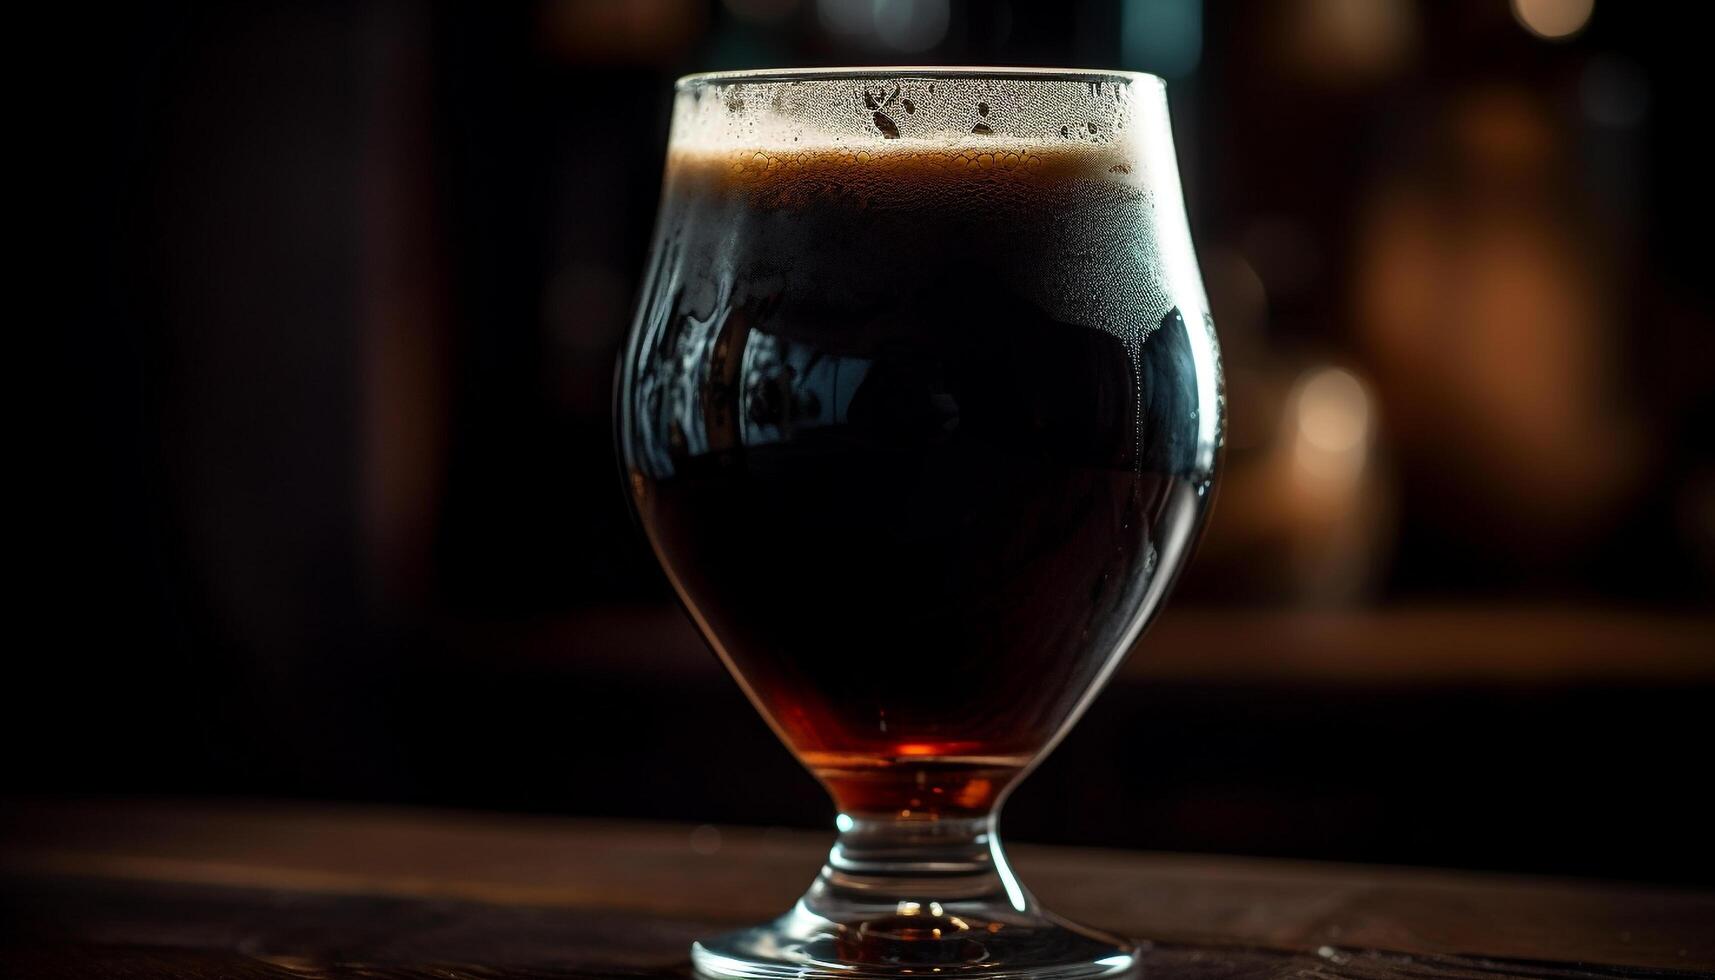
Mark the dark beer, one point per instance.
(912, 433)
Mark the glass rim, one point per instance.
(867, 72)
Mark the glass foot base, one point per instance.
(802, 944)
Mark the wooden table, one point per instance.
(269, 890)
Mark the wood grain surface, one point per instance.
(249, 889)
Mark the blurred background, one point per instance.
(324, 502)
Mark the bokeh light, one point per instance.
(1331, 410)
(1553, 20)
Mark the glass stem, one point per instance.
(915, 865)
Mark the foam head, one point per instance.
(1024, 145)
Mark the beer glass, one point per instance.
(921, 412)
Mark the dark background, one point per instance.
(321, 496)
